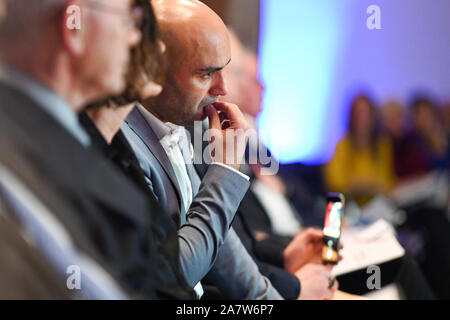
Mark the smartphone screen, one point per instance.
(332, 228)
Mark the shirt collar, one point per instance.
(47, 99)
(160, 128)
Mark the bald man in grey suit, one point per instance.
(158, 138)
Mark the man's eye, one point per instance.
(207, 76)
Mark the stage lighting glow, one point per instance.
(298, 44)
(314, 55)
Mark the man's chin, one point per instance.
(116, 88)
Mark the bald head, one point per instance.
(197, 50)
(187, 26)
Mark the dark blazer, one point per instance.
(106, 215)
(24, 272)
(230, 268)
(164, 228)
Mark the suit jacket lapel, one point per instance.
(144, 131)
(195, 180)
(185, 147)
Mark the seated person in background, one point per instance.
(78, 208)
(363, 166)
(426, 142)
(363, 163)
(407, 157)
(445, 116)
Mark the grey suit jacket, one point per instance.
(204, 243)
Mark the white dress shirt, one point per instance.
(171, 144)
(282, 217)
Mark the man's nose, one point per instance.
(219, 87)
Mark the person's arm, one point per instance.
(208, 220)
(220, 194)
(285, 283)
(237, 276)
(270, 249)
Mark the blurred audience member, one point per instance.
(277, 231)
(77, 207)
(362, 165)
(395, 125)
(28, 273)
(445, 116)
(394, 119)
(424, 148)
(242, 77)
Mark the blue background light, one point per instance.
(314, 54)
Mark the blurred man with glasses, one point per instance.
(75, 206)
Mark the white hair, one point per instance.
(22, 16)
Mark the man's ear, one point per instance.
(146, 88)
(73, 28)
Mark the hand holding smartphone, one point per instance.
(332, 228)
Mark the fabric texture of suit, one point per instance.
(105, 214)
(219, 193)
(24, 272)
(168, 271)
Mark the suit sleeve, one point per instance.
(237, 276)
(208, 221)
(284, 282)
(271, 249)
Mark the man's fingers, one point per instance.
(225, 123)
(232, 112)
(223, 116)
(213, 116)
(314, 233)
(335, 286)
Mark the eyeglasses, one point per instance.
(133, 17)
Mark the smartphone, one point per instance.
(332, 228)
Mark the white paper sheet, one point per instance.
(372, 245)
